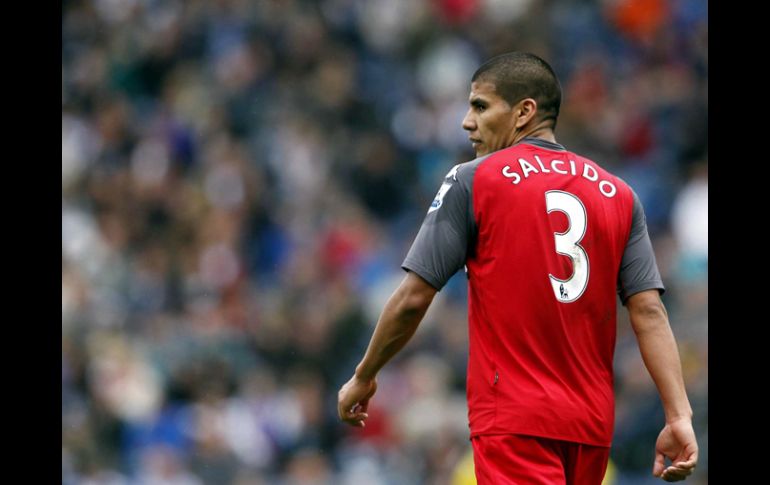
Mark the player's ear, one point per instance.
(525, 111)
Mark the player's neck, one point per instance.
(540, 131)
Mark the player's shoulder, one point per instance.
(463, 172)
(603, 172)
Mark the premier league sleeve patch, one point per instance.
(439, 200)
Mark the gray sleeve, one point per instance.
(638, 268)
(441, 245)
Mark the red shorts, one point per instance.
(527, 460)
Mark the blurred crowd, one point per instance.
(242, 179)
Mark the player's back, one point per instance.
(543, 272)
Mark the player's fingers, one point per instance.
(684, 465)
(673, 474)
(346, 411)
(679, 471)
(669, 477)
(687, 459)
(356, 416)
(342, 408)
(356, 420)
(659, 465)
(352, 416)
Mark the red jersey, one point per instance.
(546, 236)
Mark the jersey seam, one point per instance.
(560, 150)
(642, 286)
(423, 272)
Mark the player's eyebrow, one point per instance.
(476, 101)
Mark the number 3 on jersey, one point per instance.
(567, 243)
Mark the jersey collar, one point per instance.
(539, 142)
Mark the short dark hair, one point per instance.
(520, 75)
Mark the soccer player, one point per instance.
(547, 238)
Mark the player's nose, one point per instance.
(469, 123)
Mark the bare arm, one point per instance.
(661, 357)
(399, 320)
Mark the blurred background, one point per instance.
(242, 179)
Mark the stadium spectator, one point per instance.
(224, 221)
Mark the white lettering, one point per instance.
(553, 166)
(612, 190)
(592, 177)
(527, 167)
(507, 173)
(607, 188)
(542, 168)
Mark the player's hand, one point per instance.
(677, 443)
(353, 400)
